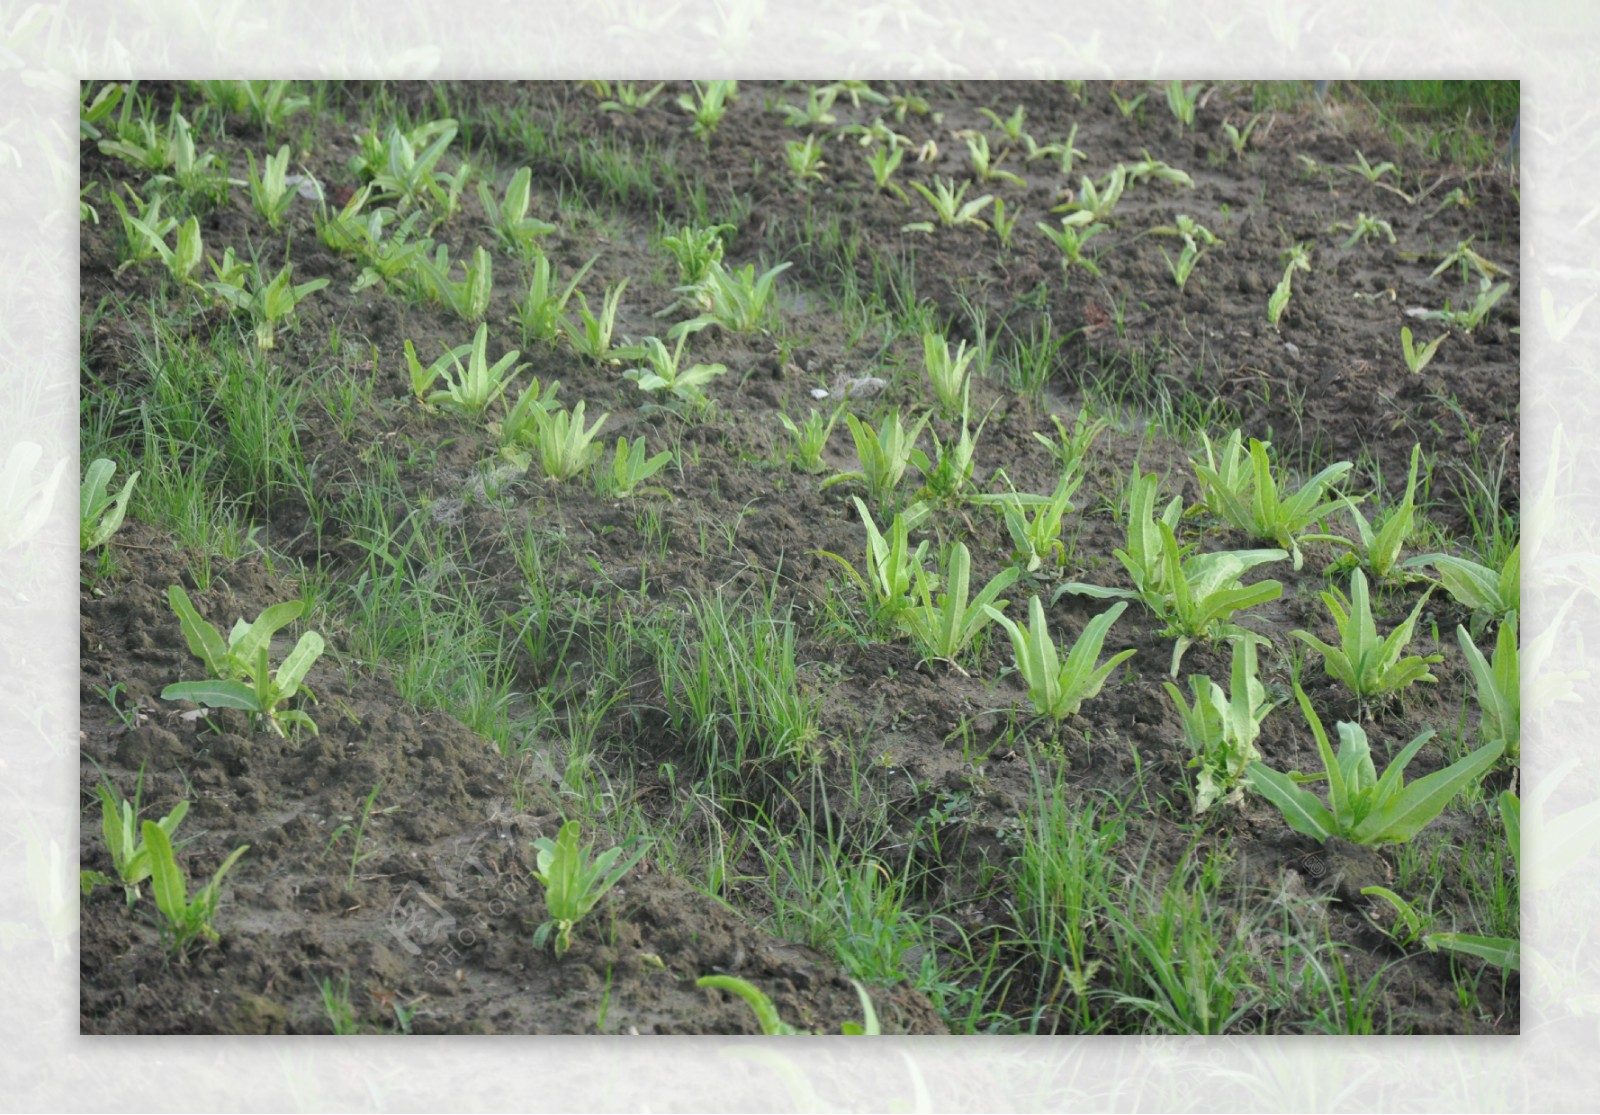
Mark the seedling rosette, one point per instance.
(572, 884)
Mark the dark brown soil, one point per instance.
(440, 915)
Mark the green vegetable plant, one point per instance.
(1010, 126)
(1417, 359)
(268, 302)
(1297, 258)
(892, 566)
(1070, 447)
(468, 297)
(1056, 686)
(767, 1015)
(1182, 267)
(805, 160)
(1369, 172)
(1221, 728)
(573, 883)
(1195, 595)
(1239, 138)
(948, 373)
(1064, 152)
(1127, 106)
(559, 441)
(1492, 594)
(508, 216)
(185, 919)
(540, 314)
(810, 439)
(1499, 692)
(1378, 551)
(243, 657)
(629, 469)
(738, 300)
(1249, 497)
(883, 162)
(268, 104)
(661, 372)
(1463, 255)
(708, 105)
(408, 175)
(1148, 167)
(198, 176)
(943, 626)
(624, 96)
(947, 476)
(1095, 204)
(184, 256)
(119, 823)
(1364, 808)
(143, 236)
(1370, 667)
(94, 110)
(695, 250)
(1467, 320)
(100, 513)
(883, 454)
(472, 388)
(949, 205)
(590, 335)
(983, 162)
(270, 193)
(1181, 100)
(1036, 540)
(1070, 240)
(815, 114)
(1363, 227)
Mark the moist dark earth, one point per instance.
(438, 915)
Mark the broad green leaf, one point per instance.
(1300, 808)
(214, 693)
(205, 641)
(1404, 815)
(1502, 952)
(166, 880)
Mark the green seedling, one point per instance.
(948, 475)
(1192, 231)
(1463, 255)
(540, 314)
(949, 206)
(1249, 498)
(268, 104)
(815, 114)
(983, 162)
(1127, 106)
(358, 832)
(130, 855)
(99, 513)
(1064, 152)
(143, 236)
(423, 378)
(1498, 682)
(1070, 239)
(508, 216)
(517, 427)
(1148, 167)
(92, 111)
(1378, 551)
(471, 389)
(1363, 227)
(708, 106)
(1502, 952)
(1036, 540)
(1181, 100)
(884, 161)
(1369, 172)
(1095, 204)
(1005, 227)
(696, 250)
(875, 132)
(1182, 267)
(559, 442)
(591, 336)
(1059, 687)
(141, 142)
(1417, 359)
(408, 175)
(624, 96)
(184, 256)
(944, 626)
(573, 883)
(1469, 319)
(805, 160)
(662, 372)
(1238, 138)
(243, 657)
(270, 193)
(1370, 667)
(267, 302)
(1070, 447)
(892, 566)
(1492, 594)
(186, 919)
(883, 454)
(1298, 258)
(738, 300)
(767, 1014)
(946, 372)
(1362, 807)
(469, 297)
(196, 175)
(1221, 728)
(1011, 126)
(858, 91)
(629, 469)
(810, 439)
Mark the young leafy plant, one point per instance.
(1417, 359)
(1362, 807)
(1249, 498)
(1491, 593)
(1498, 681)
(1181, 101)
(708, 105)
(772, 1024)
(661, 372)
(946, 372)
(184, 256)
(186, 918)
(408, 175)
(944, 626)
(591, 336)
(1182, 267)
(1363, 227)
(472, 389)
(1059, 687)
(244, 657)
(1221, 728)
(883, 453)
(1370, 667)
(1239, 138)
(949, 206)
(268, 302)
(629, 469)
(893, 568)
(509, 218)
(1070, 239)
(99, 513)
(469, 297)
(1378, 551)
(883, 162)
(738, 300)
(1036, 540)
(119, 823)
(270, 193)
(695, 250)
(1070, 447)
(1094, 204)
(810, 438)
(1369, 172)
(983, 162)
(540, 314)
(559, 441)
(1298, 259)
(573, 883)
(805, 160)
